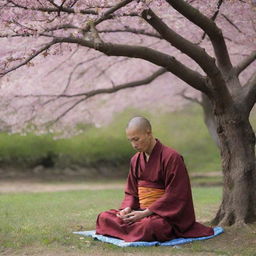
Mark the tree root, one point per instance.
(240, 224)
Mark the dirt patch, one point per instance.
(18, 186)
(51, 183)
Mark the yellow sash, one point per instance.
(147, 196)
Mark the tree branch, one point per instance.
(245, 63)
(107, 14)
(61, 26)
(198, 54)
(250, 92)
(74, 69)
(210, 28)
(42, 33)
(186, 74)
(192, 99)
(217, 86)
(60, 64)
(92, 93)
(89, 94)
(232, 23)
(57, 9)
(213, 18)
(131, 30)
(35, 54)
(65, 112)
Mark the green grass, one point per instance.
(183, 130)
(46, 220)
(42, 224)
(49, 218)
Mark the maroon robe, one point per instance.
(173, 213)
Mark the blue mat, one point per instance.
(122, 243)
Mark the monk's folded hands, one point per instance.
(123, 212)
(136, 215)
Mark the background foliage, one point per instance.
(183, 130)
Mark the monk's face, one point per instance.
(140, 139)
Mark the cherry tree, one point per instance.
(210, 46)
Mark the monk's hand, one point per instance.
(136, 215)
(123, 212)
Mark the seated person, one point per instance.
(158, 202)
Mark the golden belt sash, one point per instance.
(147, 196)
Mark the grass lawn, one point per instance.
(42, 224)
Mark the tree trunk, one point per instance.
(237, 144)
(209, 119)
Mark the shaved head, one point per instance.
(139, 123)
(139, 133)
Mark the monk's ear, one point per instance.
(149, 132)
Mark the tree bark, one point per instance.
(237, 145)
(209, 119)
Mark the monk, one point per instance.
(158, 202)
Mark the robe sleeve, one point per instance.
(176, 203)
(131, 191)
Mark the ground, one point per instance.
(47, 184)
(30, 186)
(231, 243)
(234, 242)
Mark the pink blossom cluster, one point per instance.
(30, 94)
